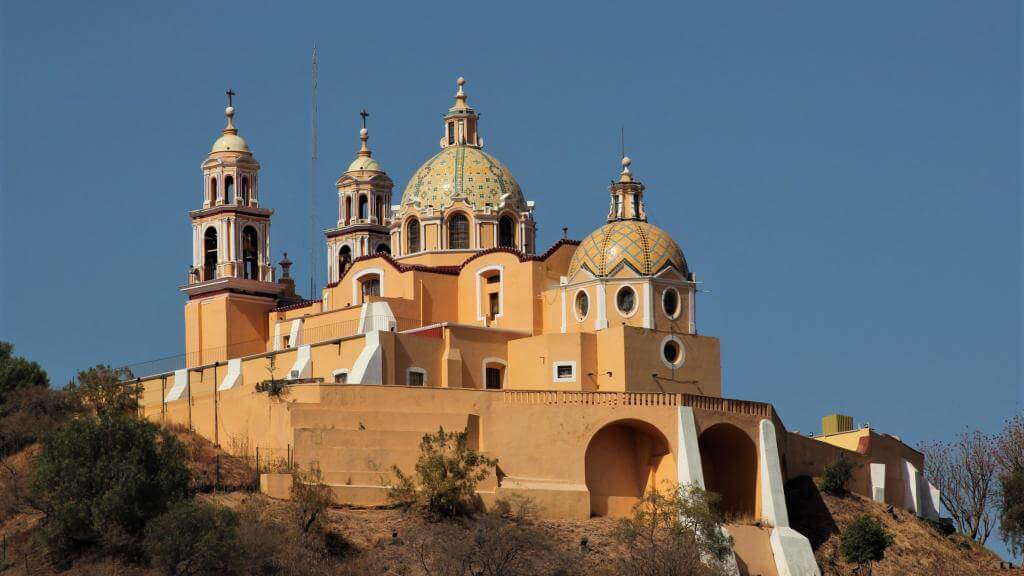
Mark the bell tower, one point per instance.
(627, 197)
(364, 211)
(231, 283)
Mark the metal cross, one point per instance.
(231, 94)
(364, 114)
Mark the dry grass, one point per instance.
(917, 547)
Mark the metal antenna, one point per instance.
(312, 188)
(622, 142)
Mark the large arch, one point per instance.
(728, 457)
(624, 460)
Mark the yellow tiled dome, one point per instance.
(644, 248)
(463, 171)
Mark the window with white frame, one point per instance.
(563, 371)
(340, 376)
(415, 377)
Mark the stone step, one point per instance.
(359, 477)
(313, 416)
(344, 438)
(333, 458)
(354, 495)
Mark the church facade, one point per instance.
(579, 367)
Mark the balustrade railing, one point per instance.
(656, 399)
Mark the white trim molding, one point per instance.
(483, 370)
(355, 282)
(415, 370)
(556, 365)
(339, 372)
(480, 315)
(682, 352)
(636, 301)
(575, 309)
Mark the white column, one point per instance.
(648, 305)
(602, 313)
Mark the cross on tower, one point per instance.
(231, 94)
(364, 114)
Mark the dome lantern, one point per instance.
(460, 123)
(627, 202)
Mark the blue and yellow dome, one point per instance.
(642, 247)
(463, 171)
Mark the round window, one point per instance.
(582, 305)
(670, 302)
(625, 300)
(673, 354)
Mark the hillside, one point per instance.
(918, 548)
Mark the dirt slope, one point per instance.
(918, 549)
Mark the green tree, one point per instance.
(1011, 513)
(674, 532)
(100, 480)
(836, 476)
(194, 539)
(447, 474)
(27, 414)
(864, 541)
(105, 390)
(17, 372)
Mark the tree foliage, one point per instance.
(836, 476)
(864, 541)
(310, 497)
(17, 372)
(674, 532)
(105, 390)
(447, 474)
(194, 539)
(100, 480)
(1010, 453)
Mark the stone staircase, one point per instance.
(357, 450)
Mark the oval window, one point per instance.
(671, 352)
(582, 305)
(670, 303)
(625, 300)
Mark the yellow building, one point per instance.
(580, 368)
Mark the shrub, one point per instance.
(310, 497)
(271, 543)
(101, 480)
(864, 541)
(447, 474)
(676, 531)
(836, 476)
(194, 539)
(27, 414)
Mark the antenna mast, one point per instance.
(312, 188)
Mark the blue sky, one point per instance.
(842, 176)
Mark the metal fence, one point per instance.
(285, 340)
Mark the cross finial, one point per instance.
(231, 95)
(364, 114)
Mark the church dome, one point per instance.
(463, 171)
(643, 247)
(230, 143)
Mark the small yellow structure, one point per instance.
(836, 423)
(580, 368)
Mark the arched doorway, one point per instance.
(210, 253)
(506, 232)
(729, 459)
(624, 460)
(250, 251)
(344, 259)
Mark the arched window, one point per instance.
(412, 234)
(379, 209)
(451, 133)
(506, 232)
(383, 249)
(458, 232)
(348, 210)
(250, 253)
(636, 206)
(229, 189)
(245, 190)
(364, 207)
(210, 253)
(371, 286)
(213, 191)
(344, 259)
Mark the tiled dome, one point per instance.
(463, 171)
(644, 248)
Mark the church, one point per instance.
(578, 366)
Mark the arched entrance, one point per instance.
(729, 459)
(624, 460)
